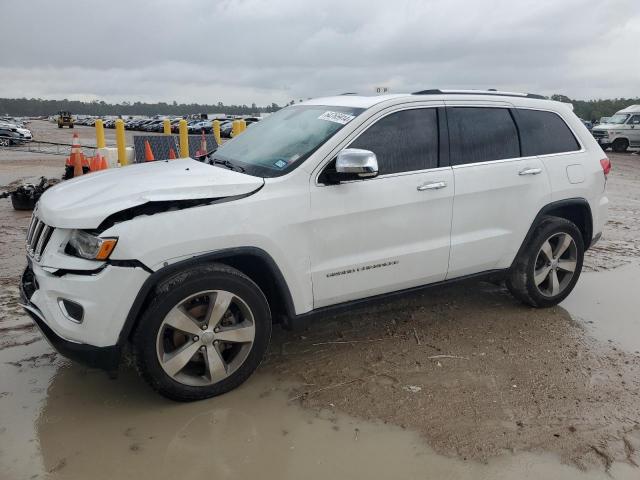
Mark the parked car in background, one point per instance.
(621, 131)
(226, 128)
(9, 136)
(250, 120)
(24, 133)
(199, 127)
(151, 126)
(587, 123)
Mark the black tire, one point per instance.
(59, 126)
(620, 145)
(172, 292)
(520, 280)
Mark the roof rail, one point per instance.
(491, 91)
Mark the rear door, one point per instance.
(498, 192)
(389, 232)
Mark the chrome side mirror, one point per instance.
(357, 162)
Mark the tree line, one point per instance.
(594, 109)
(32, 107)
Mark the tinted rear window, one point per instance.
(544, 133)
(479, 134)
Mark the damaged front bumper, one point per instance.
(93, 339)
(106, 358)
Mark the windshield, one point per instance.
(282, 141)
(618, 118)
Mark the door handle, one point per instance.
(530, 171)
(431, 186)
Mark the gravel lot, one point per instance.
(455, 382)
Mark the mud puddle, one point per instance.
(476, 374)
(62, 421)
(607, 304)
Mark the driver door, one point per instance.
(390, 232)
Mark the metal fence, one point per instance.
(63, 149)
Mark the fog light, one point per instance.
(71, 310)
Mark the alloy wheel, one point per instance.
(205, 338)
(555, 264)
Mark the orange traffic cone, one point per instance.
(77, 166)
(99, 160)
(172, 154)
(76, 158)
(148, 153)
(103, 163)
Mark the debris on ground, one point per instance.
(27, 195)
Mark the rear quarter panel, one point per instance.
(579, 174)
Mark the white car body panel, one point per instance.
(493, 209)
(379, 236)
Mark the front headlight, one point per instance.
(91, 247)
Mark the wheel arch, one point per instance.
(576, 210)
(253, 262)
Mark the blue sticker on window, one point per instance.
(280, 164)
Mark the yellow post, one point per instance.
(216, 131)
(184, 139)
(100, 143)
(235, 129)
(120, 142)
(243, 126)
(167, 126)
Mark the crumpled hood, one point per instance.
(85, 201)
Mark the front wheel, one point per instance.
(549, 266)
(5, 142)
(620, 145)
(204, 333)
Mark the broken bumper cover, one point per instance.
(106, 358)
(93, 341)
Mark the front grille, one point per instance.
(599, 133)
(38, 235)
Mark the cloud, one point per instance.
(245, 51)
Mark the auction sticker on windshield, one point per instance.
(337, 117)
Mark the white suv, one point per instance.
(323, 204)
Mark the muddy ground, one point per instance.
(455, 382)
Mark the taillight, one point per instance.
(606, 165)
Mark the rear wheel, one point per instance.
(620, 145)
(204, 333)
(549, 266)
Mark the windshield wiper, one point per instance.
(227, 164)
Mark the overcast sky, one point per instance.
(244, 51)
